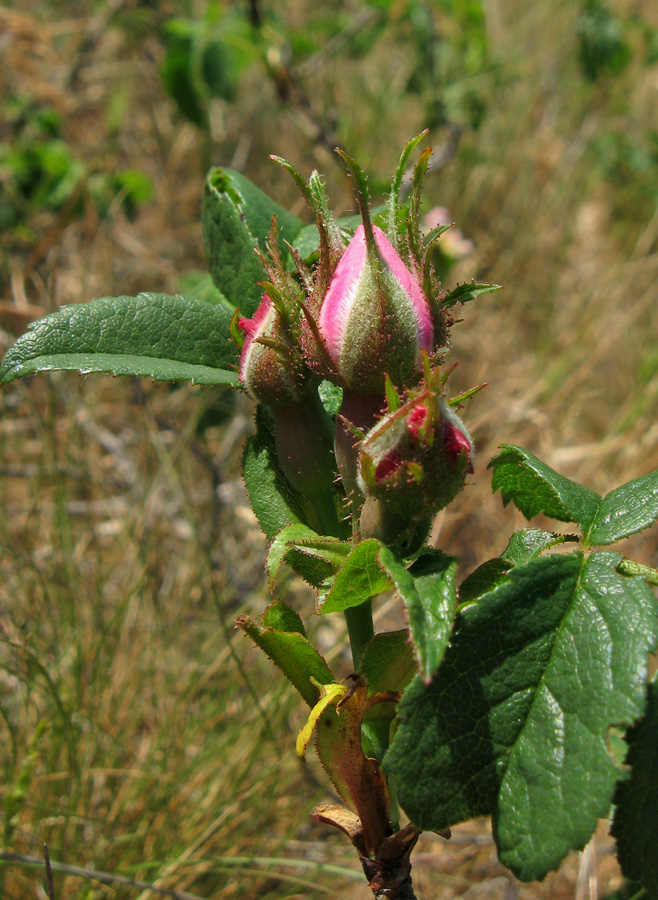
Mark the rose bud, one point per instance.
(414, 461)
(375, 319)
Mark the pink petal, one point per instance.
(338, 300)
(455, 442)
(387, 466)
(251, 328)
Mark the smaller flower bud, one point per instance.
(272, 368)
(415, 459)
(375, 319)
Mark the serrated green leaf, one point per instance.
(322, 555)
(167, 338)
(535, 488)
(361, 577)
(468, 291)
(389, 662)
(515, 722)
(281, 637)
(274, 501)
(635, 824)
(625, 511)
(529, 543)
(281, 617)
(236, 219)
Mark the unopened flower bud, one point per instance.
(375, 319)
(415, 459)
(271, 365)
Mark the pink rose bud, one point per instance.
(375, 319)
(271, 366)
(415, 459)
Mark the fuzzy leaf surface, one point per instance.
(324, 554)
(167, 338)
(535, 488)
(630, 508)
(281, 636)
(361, 577)
(635, 825)
(236, 218)
(516, 721)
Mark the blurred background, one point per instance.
(140, 735)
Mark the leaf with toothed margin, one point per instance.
(281, 636)
(167, 338)
(324, 553)
(515, 723)
(534, 488)
(427, 589)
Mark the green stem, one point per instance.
(360, 629)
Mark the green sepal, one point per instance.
(469, 291)
(393, 217)
(315, 557)
(167, 338)
(516, 721)
(236, 219)
(635, 823)
(281, 636)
